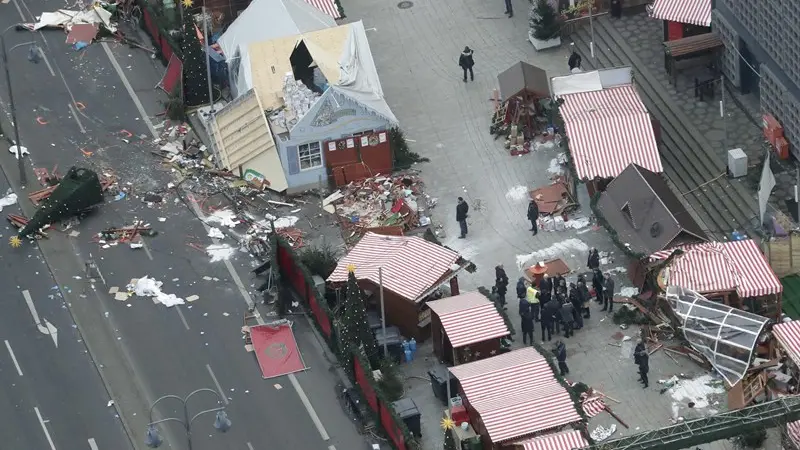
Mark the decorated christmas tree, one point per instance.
(544, 21)
(447, 425)
(354, 330)
(195, 81)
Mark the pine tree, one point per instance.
(195, 81)
(447, 425)
(354, 330)
(544, 21)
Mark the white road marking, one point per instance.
(44, 428)
(44, 326)
(183, 318)
(234, 275)
(74, 112)
(330, 447)
(309, 407)
(93, 444)
(216, 383)
(250, 446)
(13, 358)
(146, 248)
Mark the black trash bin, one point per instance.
(408, 411)
(394, 344)
(438, 376)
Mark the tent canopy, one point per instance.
(523, 77)
(724, 335)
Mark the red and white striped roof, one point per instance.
(326, 6)
(537, 402)
(411, 265)
(788, 334)
(608, 130)
(793, 431)
(469, 318)
(722, 266)
(695, 12)
(567, 440)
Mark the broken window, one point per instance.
(310, 155)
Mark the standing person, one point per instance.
(616, 9)
(561, 357)
(561, 290)
(644, 367)
(524, 307)
(597, 285)
(533, 216)
(608, 294)
(501, 282)
(521, 290)
(527, 328)
(576, 298)
(551, 313)
(567, 316)
(532, 295)
(546, 285)
(585, 297)
(509, 9)
(466, 62)
(593, 262)
(574, 60)
(462, 210)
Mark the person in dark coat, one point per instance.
(576, 298)
(524, 307)
(593, 262)
(597, 285)
(637, 352)
(616, 9)
(644, 367)
(561, 357)
(608, 293)
(509, 9)
(533, 216)
(466, 62)
(557, 281)
(546, 285)
(462, 210)
(574, 61)
(521, 288)
(501, 282)
(585, 296)
(551, 318)
(567, 317)
(527, 328)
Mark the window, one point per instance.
(310, 155)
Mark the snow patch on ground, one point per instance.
(8, 200)
(628, 291)
(544, 145)
(557, 164)
(518, 194)
(149, 287)
(557, 250)
(224, 217)
(617, 270)
(577, 223)
(215, 233)
(220, 252)
(696, 390)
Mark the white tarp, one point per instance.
(765, 188)
(595, 80)
(65, 18)
(265, 20)
(149, 287)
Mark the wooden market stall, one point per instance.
(696, 51)
(567, 440)
(786, 381)
(411, 269)
(503, 416)
(466, 328)
(683, 18)
(522, 86)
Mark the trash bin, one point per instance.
(391, 332)
(438, 376)
(374, 320)
(408, 411)
(394, 344)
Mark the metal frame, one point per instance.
(187, 420)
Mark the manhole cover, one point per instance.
(405, 5)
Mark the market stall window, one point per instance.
(310, 155)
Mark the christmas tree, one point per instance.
(195, 81)
(544, 21)
(449, 441)
(354, 330)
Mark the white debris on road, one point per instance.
(629, 291)
(557, 250)
(223, 217)
(215, 233)
(697, 390)
(518, 194)
(8, 200)
(281, 222)
(557, 164)
(149, 287)
(220, 252)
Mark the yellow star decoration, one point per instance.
(15, 241)
(187, 3)
(351, 268)
(447, 423)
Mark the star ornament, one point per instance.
(187, 3)
(15, 241)
(351, 268)
(447, 423)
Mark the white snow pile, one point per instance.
(149, 287)
(220, 252)
(223, 217)
(556, 166)
(577, 223)
(557, 250)
(215, 233)
(696, 390)
(518, 194)
(8, 200)
(629, 291)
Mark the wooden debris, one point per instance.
(608, 410)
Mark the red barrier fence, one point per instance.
(152, 28)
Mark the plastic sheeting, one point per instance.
(726, 336)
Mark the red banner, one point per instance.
(276, 350)
(172, 76)
(391, 428)
(322, 319)
(366, 388)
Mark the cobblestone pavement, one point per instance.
(416, 51)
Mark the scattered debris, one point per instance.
(568, 246)
(695, 390)
(601, 433)
(517, 194)
(220, 252)
(8, 200)
(223, 217)
(215, 233)
(148, 287)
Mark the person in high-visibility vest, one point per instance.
(532, 296)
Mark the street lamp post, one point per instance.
(221, 423)
(23, 179)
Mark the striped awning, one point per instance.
(722, 266)
(609, 129)
(327, 6)
(537, 404)
(793, 431)
(469, 318)
(567, 440)
(694, 12)
(411, 265)
(788, 334)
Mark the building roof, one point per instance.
(411, 265)
(694, 12)
(720, 267)
(539, 403)
(568, 440)
(523, 77)
(788, 334)
(469, 318)
(327, 6)
(646, 214)
(608, 130)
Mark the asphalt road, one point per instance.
(145, 349)
(51, 397)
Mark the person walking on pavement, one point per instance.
(527, 328)
(576, 298)
(533, 216)
(532, 295)
(501, 282)
(462, 210)
(567, 316)
(466, 62)
(561, 357)
(644, 367)
(608, 294)
(574, 60)
(509, 9)
(593, 262)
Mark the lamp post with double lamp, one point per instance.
(221, 423)
(33, 56)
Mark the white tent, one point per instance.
(266, 20)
